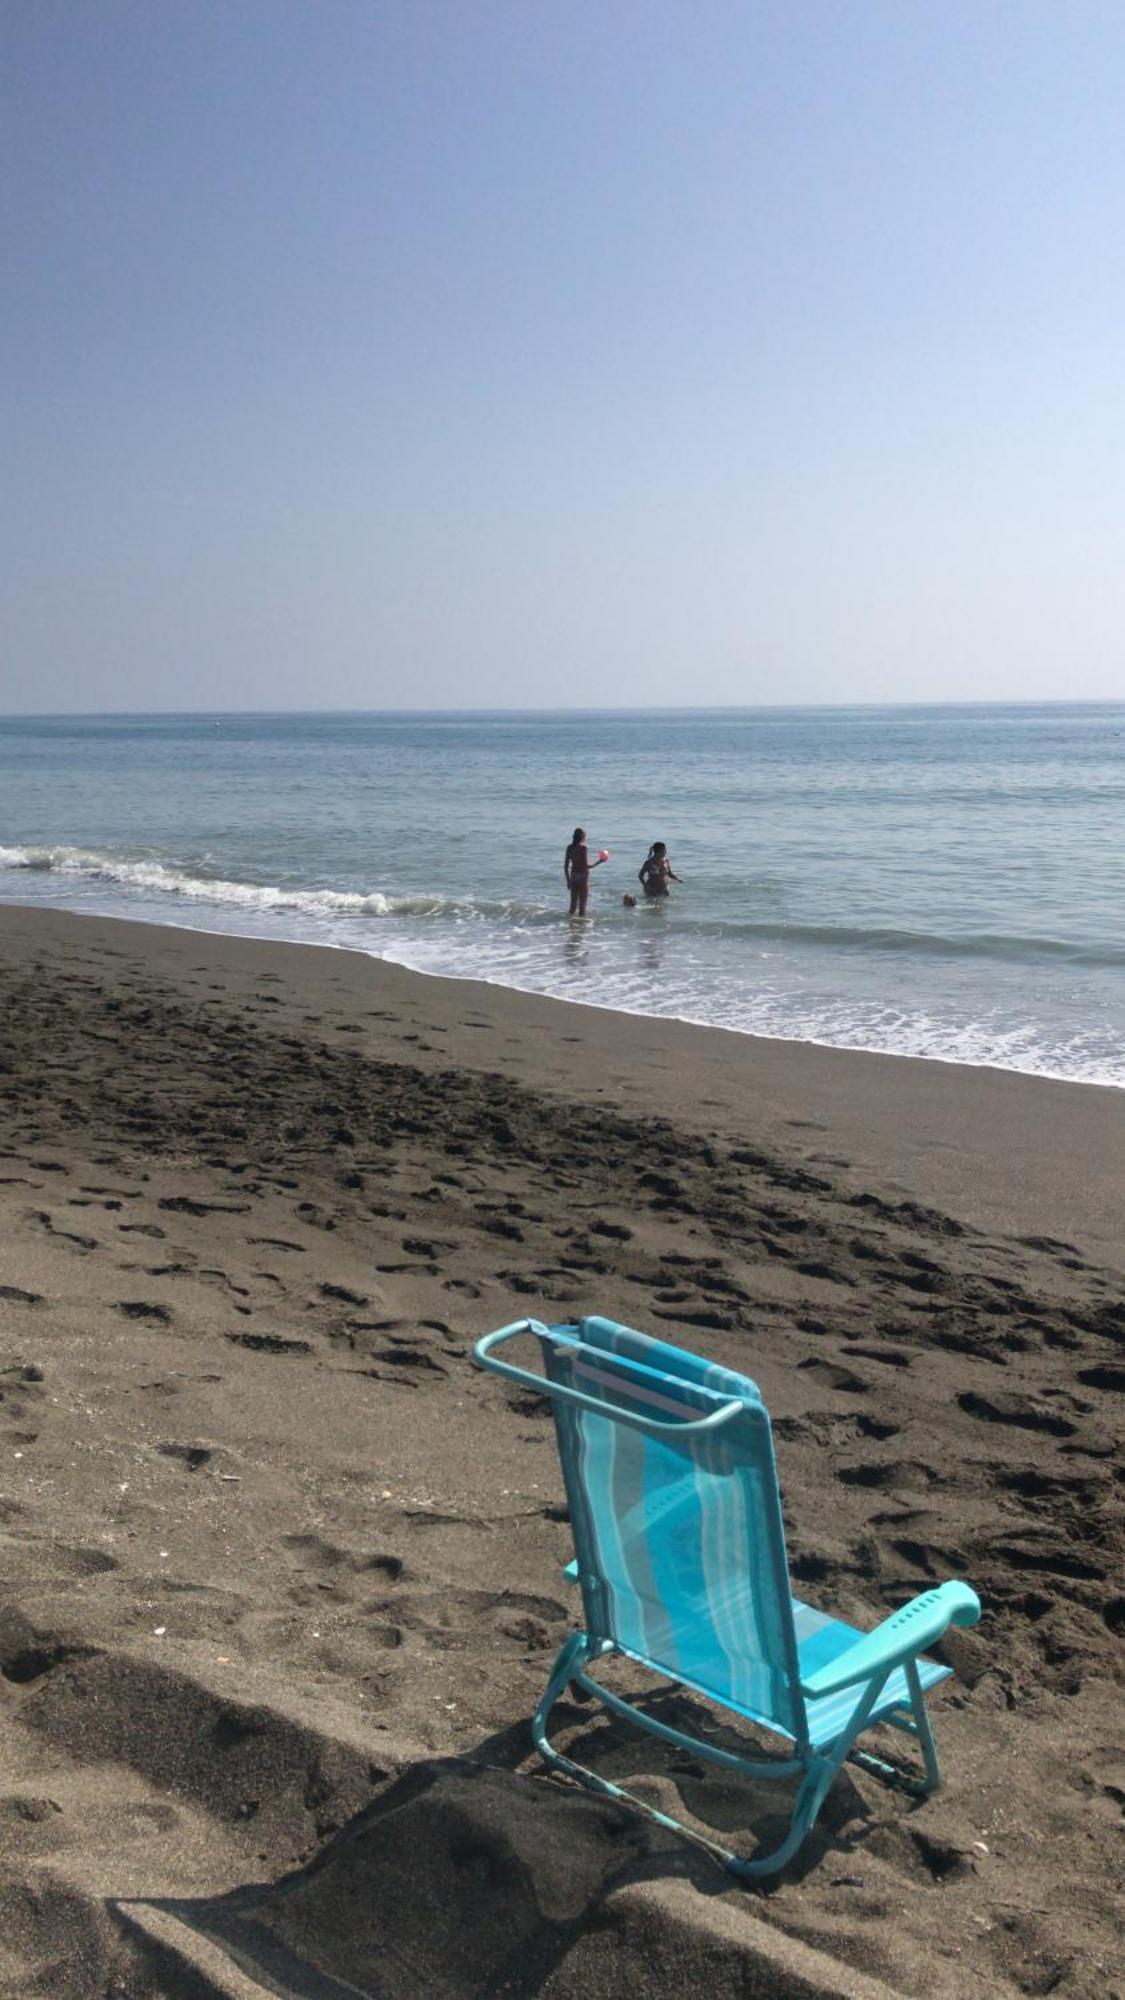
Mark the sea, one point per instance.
(924, 881)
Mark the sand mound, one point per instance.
(470, 1883)
(458, 1881)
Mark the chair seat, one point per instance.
(820, 1640)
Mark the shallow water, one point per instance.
(941, 881)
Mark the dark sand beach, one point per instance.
(280, 1570)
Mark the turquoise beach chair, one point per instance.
(680, 1554)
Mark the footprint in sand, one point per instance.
(26, 1654)
(866, 1251)
(402, 1362)
(270, 1343)
(876, 1427)
(704, 1316)
(340, 1571)
(193, 1456)
(183, 1204)
(314, 1217)
(81, 1243)
(928, 1559)
(917, 1281)
(832, 1376)
(315, 1549)
(504, 1227)
(902, 1474)
(1045, 1551)
(809, 1566)
(814, 1267)
(344, 1294)
(21, 1392)
(172, 1385)
(515, 1282)
(455, 1620)
(1004, 1407)
(1103, 1376)
(211, 1275)
(1053, 1488)
(31, 1555)
(388, 1638)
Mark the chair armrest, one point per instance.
(900, 1637)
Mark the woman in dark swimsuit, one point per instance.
(657, 871)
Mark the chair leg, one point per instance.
(824, 1769)
(819, 1774)
(567, 1667)
(810, 1798)
(923, 1734)
(569, 1661)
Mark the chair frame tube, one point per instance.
(558, 1391)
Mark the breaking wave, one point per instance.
(156, 876)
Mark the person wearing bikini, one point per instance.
(656, 871)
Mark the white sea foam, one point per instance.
(156, 877)
(778, 1015)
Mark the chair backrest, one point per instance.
(679, 1539)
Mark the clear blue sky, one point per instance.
(365, 353)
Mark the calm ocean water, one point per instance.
(924, 881)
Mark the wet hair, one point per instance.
(579, 834)
(658, 847)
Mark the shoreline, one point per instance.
(627, 1013)
(919, 1119)
(221, 929)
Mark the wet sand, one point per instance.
(280, 1570)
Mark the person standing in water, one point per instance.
(576, 869)
(656, 871)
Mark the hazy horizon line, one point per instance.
(660, 708)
